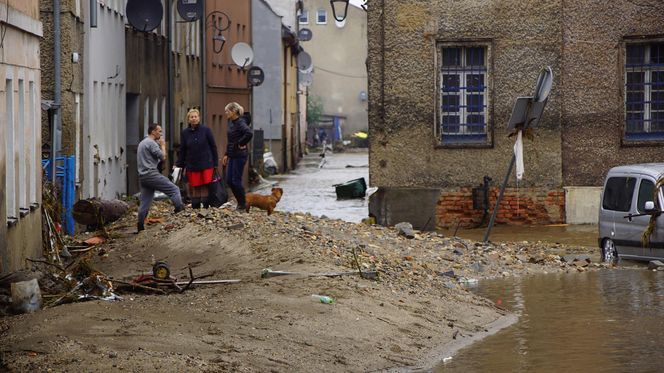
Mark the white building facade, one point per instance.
(104, 140)
(20, 134)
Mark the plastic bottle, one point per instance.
(323, 298)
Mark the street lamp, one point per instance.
(220, 22)
(219, 40)
(339, 16)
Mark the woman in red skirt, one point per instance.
(198, 155)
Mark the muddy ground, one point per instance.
(418, 312)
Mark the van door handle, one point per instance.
(628, 217)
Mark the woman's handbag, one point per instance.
(217, 191)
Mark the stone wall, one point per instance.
(593, 89)
(404, 151)
(580, 135)
(71, 39)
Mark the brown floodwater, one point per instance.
(575, 235)
(601, 321)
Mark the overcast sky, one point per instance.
(357, 3)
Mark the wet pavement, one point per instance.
(310, 188)
(603, 321)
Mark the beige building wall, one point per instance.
(581, 134)
(20, 135)
(339, 53)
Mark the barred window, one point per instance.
(644, 91)
(463, 95)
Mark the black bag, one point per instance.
(217, 191)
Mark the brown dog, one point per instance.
(264, 202)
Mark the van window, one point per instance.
(646, 191)
(618, 193)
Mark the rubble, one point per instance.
(656, 265)
(419, 288)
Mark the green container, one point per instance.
(356, 188)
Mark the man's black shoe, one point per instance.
(178, 209)
(140, 227)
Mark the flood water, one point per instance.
(310, 188)
(575, 235)
(604, 321)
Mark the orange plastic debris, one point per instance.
(96, 240)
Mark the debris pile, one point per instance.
(400, 257)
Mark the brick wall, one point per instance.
(522, 206)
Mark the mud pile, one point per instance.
(416, 311)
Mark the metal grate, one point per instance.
(644, 91)
(463, 94)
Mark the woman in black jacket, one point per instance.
(198, 154)
(239, 135)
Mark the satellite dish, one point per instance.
(304, 63)
(144, 15)
(543, 86)
(190, 10)
(255, 76)
(242, 54)
(305, 34)
(305, 78)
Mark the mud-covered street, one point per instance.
(417, 311)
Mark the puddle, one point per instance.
(604, 321)
(576, 235)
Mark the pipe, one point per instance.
(284, 127)
(93, 13)
(57, 87)
(169, 96)
(500, 198)
(203, 62)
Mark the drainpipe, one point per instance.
(284, 128)
(57, 86)
(203, 60)
(169, 96)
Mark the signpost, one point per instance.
(526, 114)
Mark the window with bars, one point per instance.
(644, 91)
(463, 95)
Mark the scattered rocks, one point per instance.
(576, 258)
(405, 229)
(656, 264)
(429, 260)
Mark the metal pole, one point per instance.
(500, 197)
(203, 21)
(169, 99)
(57, 87)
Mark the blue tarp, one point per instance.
(66, 183)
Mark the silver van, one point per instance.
(628, 202)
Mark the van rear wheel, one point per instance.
(609, 252)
